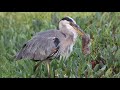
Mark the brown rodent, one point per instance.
(86, 44)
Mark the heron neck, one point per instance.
(69, 32)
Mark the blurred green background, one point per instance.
(103, 62)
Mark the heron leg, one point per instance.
(36, 66)
(48, 68)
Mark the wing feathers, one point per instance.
(39, 48)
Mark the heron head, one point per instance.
(68, 21)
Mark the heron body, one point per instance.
(52, 43)
(44, 45)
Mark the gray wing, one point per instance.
(39, 48)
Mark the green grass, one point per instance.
(104, 28)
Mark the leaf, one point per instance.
(108, 73)
(103, 68)
(96, 68)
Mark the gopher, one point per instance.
(86, 44)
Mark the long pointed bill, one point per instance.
(80, 32)
(78, 29)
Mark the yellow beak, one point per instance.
(80, 32)
(77, 28)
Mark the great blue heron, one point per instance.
(52, 43)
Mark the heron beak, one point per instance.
(78, 29)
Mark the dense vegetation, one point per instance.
(103, 62)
